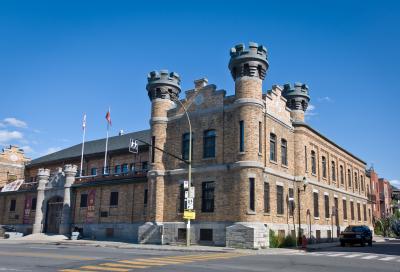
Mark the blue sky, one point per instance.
(59, 59)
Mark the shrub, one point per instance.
(280, 241)
(273, 239)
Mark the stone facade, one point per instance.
(256, 166)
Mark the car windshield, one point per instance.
(355, 228)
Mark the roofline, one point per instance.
(302, 124)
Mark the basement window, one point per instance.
(206, 234)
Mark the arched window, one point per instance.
(313, 163)
(362, 183)
(323, 167)
(349, 177)
(333, 166)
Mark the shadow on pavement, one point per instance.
(388, 248)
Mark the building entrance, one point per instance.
(53, 214)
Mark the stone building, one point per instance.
(257, 166)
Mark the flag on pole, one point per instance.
(84, 122)
(108, 117)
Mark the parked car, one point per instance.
(356, 235)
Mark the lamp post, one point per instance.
(189, 161)
(304, 181)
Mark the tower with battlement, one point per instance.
(297, 100)
(163, 90)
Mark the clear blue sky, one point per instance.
(59, 59)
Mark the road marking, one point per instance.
(75, 270)
(46, 255)
(352, 256)
(94, 267)
(171, 260)
(387, 259)
(142, 263)
(157, 261)
(124, 265)
(368, 257)
(335, 255)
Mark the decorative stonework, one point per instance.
(163, 85)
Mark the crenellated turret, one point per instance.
(297, 99)
(163, 85)
(250, 62)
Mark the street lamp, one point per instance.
(304, 182)
(189, 162)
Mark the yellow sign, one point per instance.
(189, 215)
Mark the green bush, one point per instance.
(276, 241)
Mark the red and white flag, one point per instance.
(108, 117)
(84, 122)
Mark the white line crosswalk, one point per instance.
(349, 255)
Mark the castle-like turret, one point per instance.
(297, 100)
(248, 64)
(163, 89)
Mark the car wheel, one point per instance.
(342, 244)
(370, 243)
(363, 244)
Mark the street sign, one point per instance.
(186, 194)
(189, 203)
(189, 215)
(191, 192)
(185, 184)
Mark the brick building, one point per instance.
(12, 163)
(374, 194)
(385, 197)
(254, 159)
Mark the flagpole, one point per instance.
(83, 142)
(105, 155)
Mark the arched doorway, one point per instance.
(53, 214)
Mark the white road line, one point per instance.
(368, 257)
(387, 259)
(335, 255)
(316, 253)
(352, 255)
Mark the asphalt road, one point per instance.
(34, 257)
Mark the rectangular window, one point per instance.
(260, 137)
(267, 207)
(241, 135)
(279, 199)
(207, 196)
(272, 147)
(145, 197)
(291, 202)
(284, 152)
(185, 146)
(93, 171)
(84, 199)
(316, 204)
(323, 167)
(117, 169)
(352, 210)
(251, 194)
(33, 204)
(326, 198)
(365, 212)
(313, 163)
(153, 148)
(114, 199)
(206, 234)
(181, 198)
(13, 204)
(209, 144)
(145, 166)
(125, 168)
(344, 209)
(305, 158)
(359, 211)
(341, 175)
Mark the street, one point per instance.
(45, 257)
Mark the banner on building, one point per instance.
(91, 211)
(27, 209)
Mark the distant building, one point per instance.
(385, 197)
(374, 194)
(12, 164)
(257, 166)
